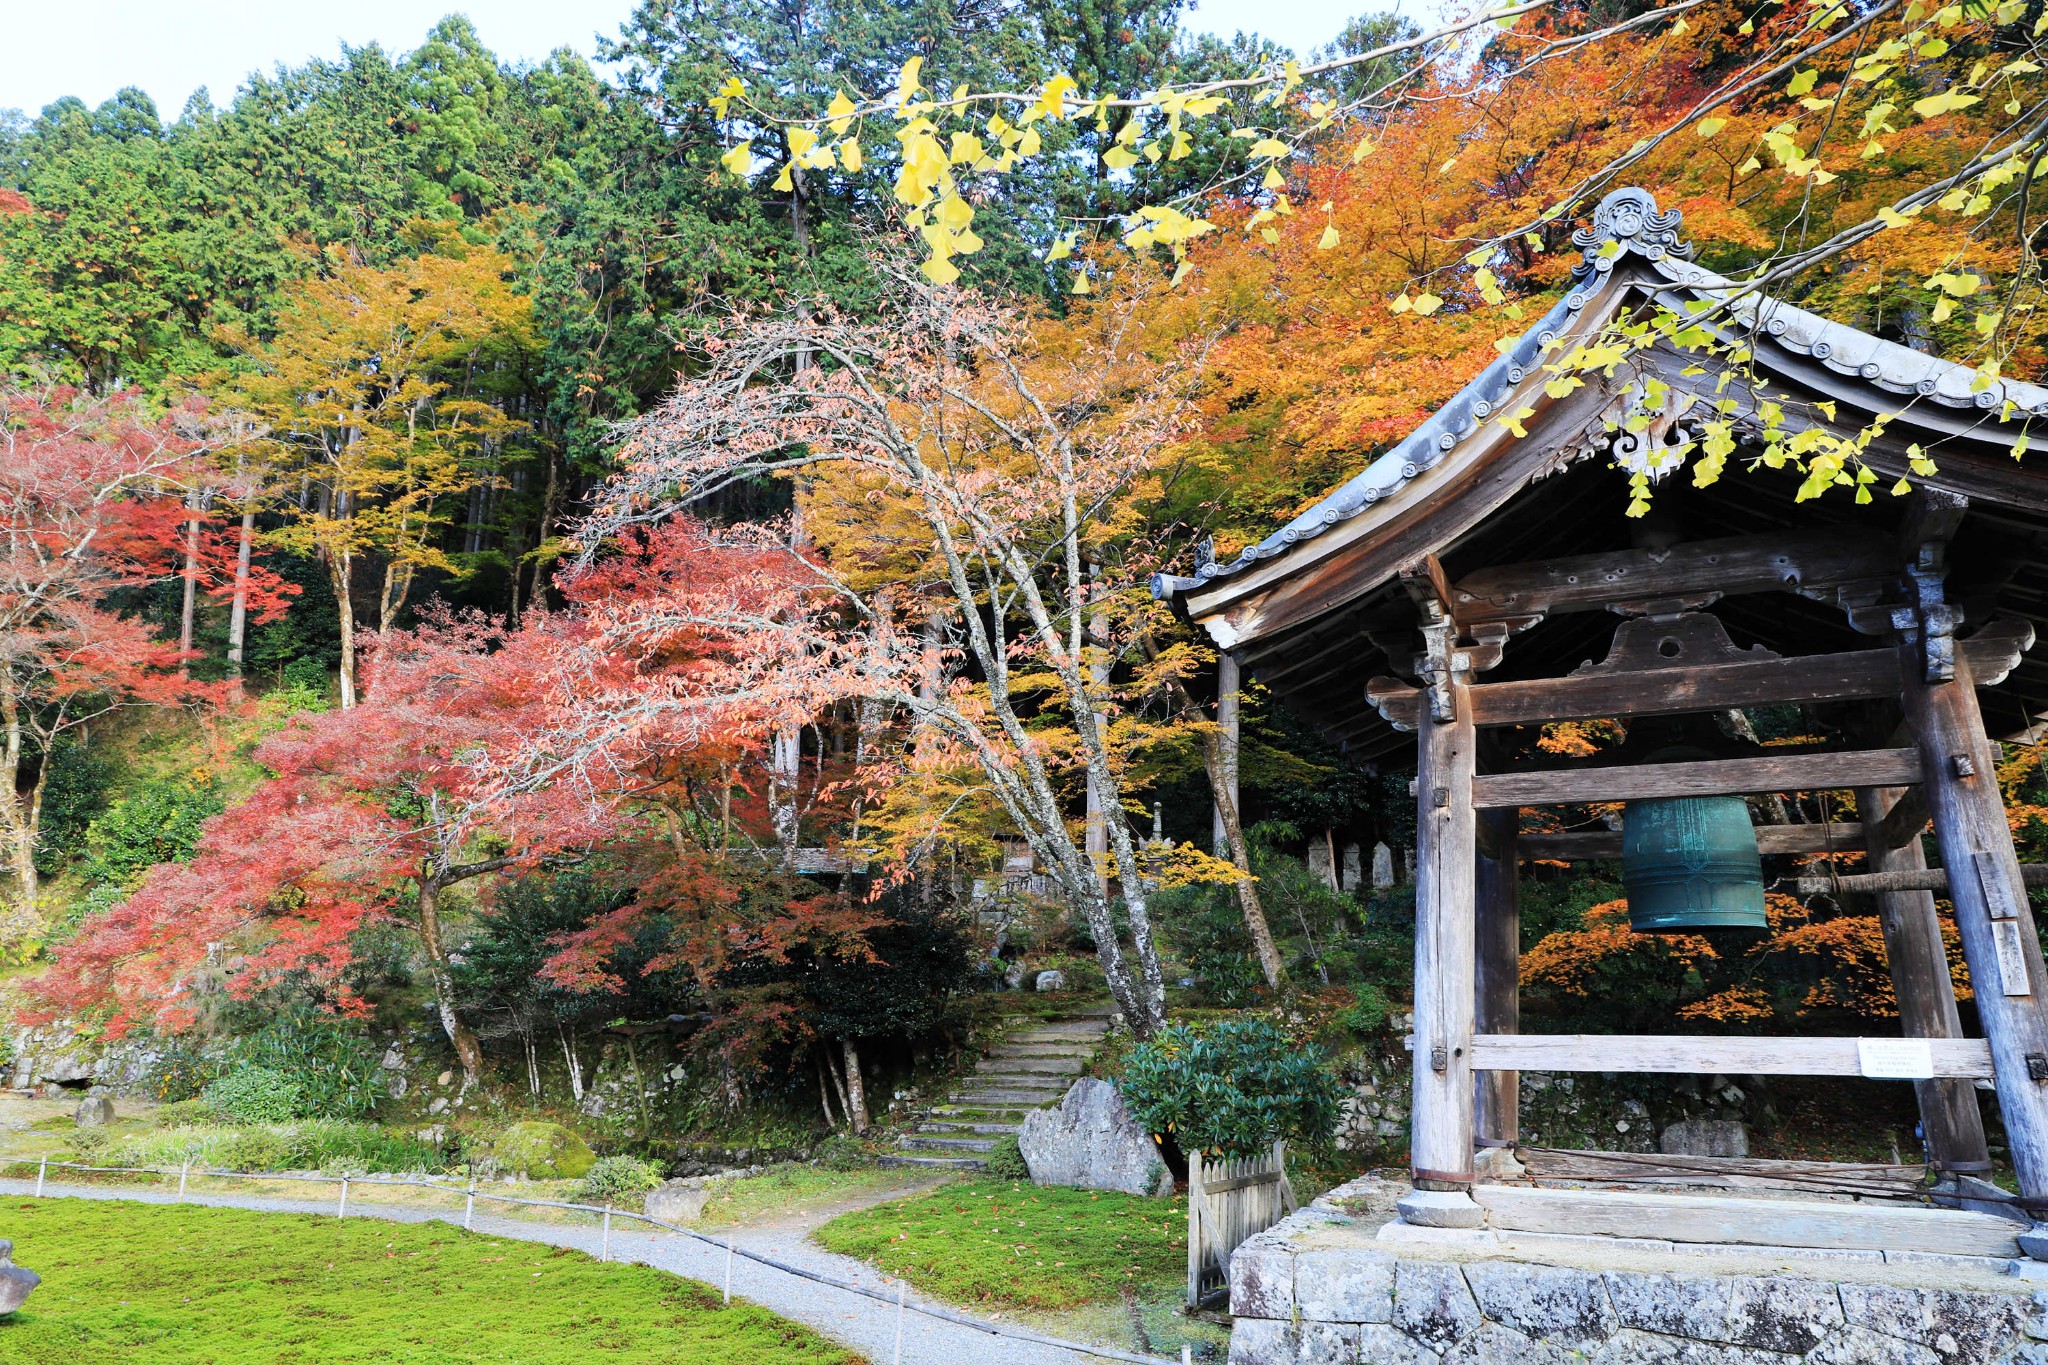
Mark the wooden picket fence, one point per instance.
(1230, 1202)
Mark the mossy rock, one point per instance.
(543, 1151)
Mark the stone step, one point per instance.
(1028, 1099)
(943, 1126)
(950, 1163)
(1036, 1066)
(987, 1113)
(947, 1144)
(1055, 1033)
(1035, 1085)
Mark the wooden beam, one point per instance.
(1446, 855)
(1732, 1219)
(1499, 939)
(1811, 564)
(1918, 960)
(1969, 1058)
(1904, 879)
(1585, 845)
(1991, 912)
(1727, 1172)
(1848, 676)
(1903, 823)
(1717, 777)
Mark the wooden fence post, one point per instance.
(1195, 1228)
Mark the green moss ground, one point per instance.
(1014, 1244)
(193, 1286)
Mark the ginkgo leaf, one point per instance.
(840, 111)
(1119, 158)
(1710, 126)
(740, 160)
(783, 182)
(1081, 285)
(1327, 240)
(1802, 82)
(939, 270)
(1948, 101)
(849, 154)
(1425, 304)
(1061, 249)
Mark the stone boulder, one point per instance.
(1090, 1140)
(543, 1151)
(678, 1201)
(1705, 1137)
(1051, 981)
(94, 1112)
(16, 1282)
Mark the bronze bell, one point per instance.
(1690, 862)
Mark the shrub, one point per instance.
(1232, 1089)
(311, 1145)
(841, 1152)
(256, 1094)
(618, 1180)
(328, 1059)
(89, 1144)
(1368, 1010)
(543, 1151)
(1006, 1159)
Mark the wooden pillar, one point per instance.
(1920, 978)
(1995, 923)
(1498, 913)
(1229, 679)
(1446, 847)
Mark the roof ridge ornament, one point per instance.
(1629, 220)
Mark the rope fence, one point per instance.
(470, 1193)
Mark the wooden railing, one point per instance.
(1229, 1202)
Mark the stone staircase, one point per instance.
(1030, 1068)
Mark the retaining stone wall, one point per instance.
(1304, 1297)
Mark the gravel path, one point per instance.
(860, 1322)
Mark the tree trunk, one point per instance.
(19, 815)
(825, 1098)
(238, 613)
(190, 606)
(575, 1063)
(1213, 759)
(339, 569)
(856, 1092)
(467, 1050)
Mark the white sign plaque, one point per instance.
(1902, 1059)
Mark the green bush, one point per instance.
(328, 1059)
(1006, 1159)
(157, 822)
(543, 1151)
(618, 1180)
(842, 1152)
(256, 1094)
(1368, 1011)
(1232, 1089)
(89, 1144)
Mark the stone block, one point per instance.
(1090, 1141)
(1861, 1346)
(2034, 1241)
(1327, 1343)
(1631, 1347)
(1379, 1344)
(677, 1201)
(1693, 1306)
(1261, 1341)
(1778, 1313)
(1494, 1344)
(16, 1282)
(1349, 1285)
(1561, 1305)
(1433, 1305)
(95, 1111)
(1980, 1326)
(1262, 1279)
(1050, 981)
(1440, 1209)
(1705, 1137)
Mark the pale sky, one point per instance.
(91, 48)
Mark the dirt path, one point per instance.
(858, 1321)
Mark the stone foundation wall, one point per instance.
(1320, 1289)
